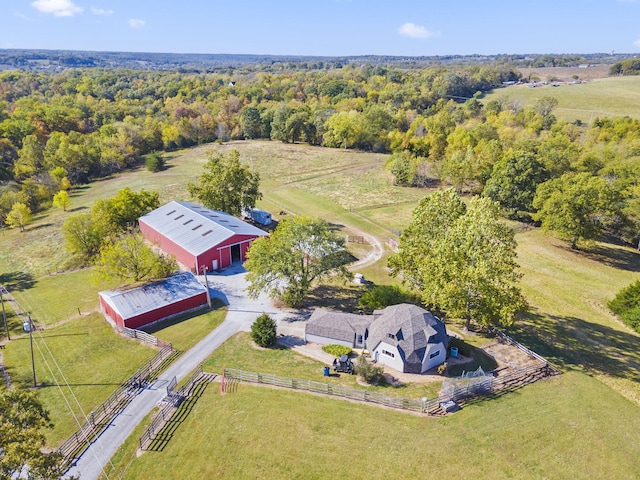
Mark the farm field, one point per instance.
(601, 97)
(568, 322)
(536, 432)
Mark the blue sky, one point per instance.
(324, 27)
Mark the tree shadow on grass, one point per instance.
(336, 297)
(178, 417)
(17, 280)
(612, 256)
(571, 342)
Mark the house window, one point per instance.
(359, 339)
(434, 354)
(388, 354)
(391, 336)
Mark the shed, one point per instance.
(150, 303)
(198, 236)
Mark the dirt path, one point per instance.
(373, 256)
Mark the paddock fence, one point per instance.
(100, 418)
(144, 336)
(173, 401)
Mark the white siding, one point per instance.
(428, 363)
(393, 362)
(325, 340)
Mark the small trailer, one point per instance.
(258, 216)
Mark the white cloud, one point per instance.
(416, 31)
(59, 8)
(135, 23)
(100, 11)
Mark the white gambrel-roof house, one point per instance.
(405, 337)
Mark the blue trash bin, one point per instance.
(326, 371)
(454, 352)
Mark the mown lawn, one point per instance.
(184, 331)
(239, 352)
(570, 426)
(78, 365)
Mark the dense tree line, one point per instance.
(78, 125)
(61, 130)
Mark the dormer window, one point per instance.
(391, 336)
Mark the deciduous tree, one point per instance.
(577, 206)
(62, 200)
(227, 184)
(130, 258)
(299, 252)
(461, 259)
(19, 216)
(22, 419)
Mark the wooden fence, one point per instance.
(175, 399)
(144, 336)
(415, 405)
(100, 418)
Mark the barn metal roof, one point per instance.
(196, 228)
(135, 301)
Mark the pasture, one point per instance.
(601, 97)
(556, 428)
(568, 322)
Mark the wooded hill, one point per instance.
(63, 129)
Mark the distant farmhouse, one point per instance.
(198, 236)
(404, 337)
(141, 306)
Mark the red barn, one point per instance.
(198, 236)
(137, 307)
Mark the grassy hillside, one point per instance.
(603, 97)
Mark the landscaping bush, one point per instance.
(382, 296)
(263, 331)
(369, 373)
(336, 350)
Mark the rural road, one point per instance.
(242, 311)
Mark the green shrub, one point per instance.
(336, 350)
(369, 373)
(154, 162)
(626, 305)
(442, 368)
(382, 296)
(263, 331)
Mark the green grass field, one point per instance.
(85, 354)
(603, 97)
(580, 420)
(536, 432)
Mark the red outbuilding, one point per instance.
(198, 236)
(141, 306)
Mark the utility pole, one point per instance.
(206, 281)
(28, 327)
(4, 316)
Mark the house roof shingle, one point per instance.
(337, 325)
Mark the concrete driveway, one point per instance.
(242, 311)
